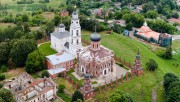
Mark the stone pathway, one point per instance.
(154, 92)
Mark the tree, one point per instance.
(151, 14)
(129, 26)
(168, 52)
(45, 73)
(152, 65)
(168, 79)
(25, 18)
(61, 88)
(119, 96)
(148, 6)
(117, 28)
(6, 95)
(77, 95)
(4, 52)
(18, 34)
(4, 68)
(2, 77)
(49, 28)
(175, 15)
(20, 51)
(56, 20)
(19, 26)
(174, 94)
(136, 19)
(173, 84)
(26, 28)
(35, 62)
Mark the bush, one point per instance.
(61, 88)
(2, 77)
(152, 65)
(1, 85)
(77, 95)
(60, 75)
(159, 52)
(4, 68)
(45, 73)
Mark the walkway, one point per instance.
(154, 92)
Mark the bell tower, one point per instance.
(75, 33)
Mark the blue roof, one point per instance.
(60, 58)
(56, 70)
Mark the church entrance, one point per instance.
(104, 72)
(82, 69)
(66, 45)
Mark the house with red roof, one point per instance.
(145, 33)
(174, 20)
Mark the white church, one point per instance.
(68, 41)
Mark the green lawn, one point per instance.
(140, 87)
(15, 8)
(46, 49)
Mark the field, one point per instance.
(14, 8)
(140, 87)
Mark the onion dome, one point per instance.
(95, 37)
(61, 25)
(87, 76)
(75, 12)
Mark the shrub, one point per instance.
(1, 85)
(61, 88)
(2, 77)
(159, 52)
(60, 75)
(77, 95)
(152, 65)
(45, 73)
(4, 68)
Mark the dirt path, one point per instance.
(154, 92)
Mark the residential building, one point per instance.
(27, 89)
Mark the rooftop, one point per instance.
(60, 58)
(56, 70)
(60, 35)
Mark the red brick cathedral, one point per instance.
(137, 68)
(95, 60)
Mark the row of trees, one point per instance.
(161, 26)
(172, 87)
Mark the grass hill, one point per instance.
(140, 87)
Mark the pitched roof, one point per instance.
(174, 20)
(60, 58)
(56, 70)
(60, 35)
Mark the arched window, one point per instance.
(77, 41)
(77, 32)
(72, 41)
(105, 72)
(72, 32)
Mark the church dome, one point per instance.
(95, 37)
(61, 25)
(87, 76)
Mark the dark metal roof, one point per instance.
(95, 37)
(61, 25)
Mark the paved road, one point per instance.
(176, 37)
